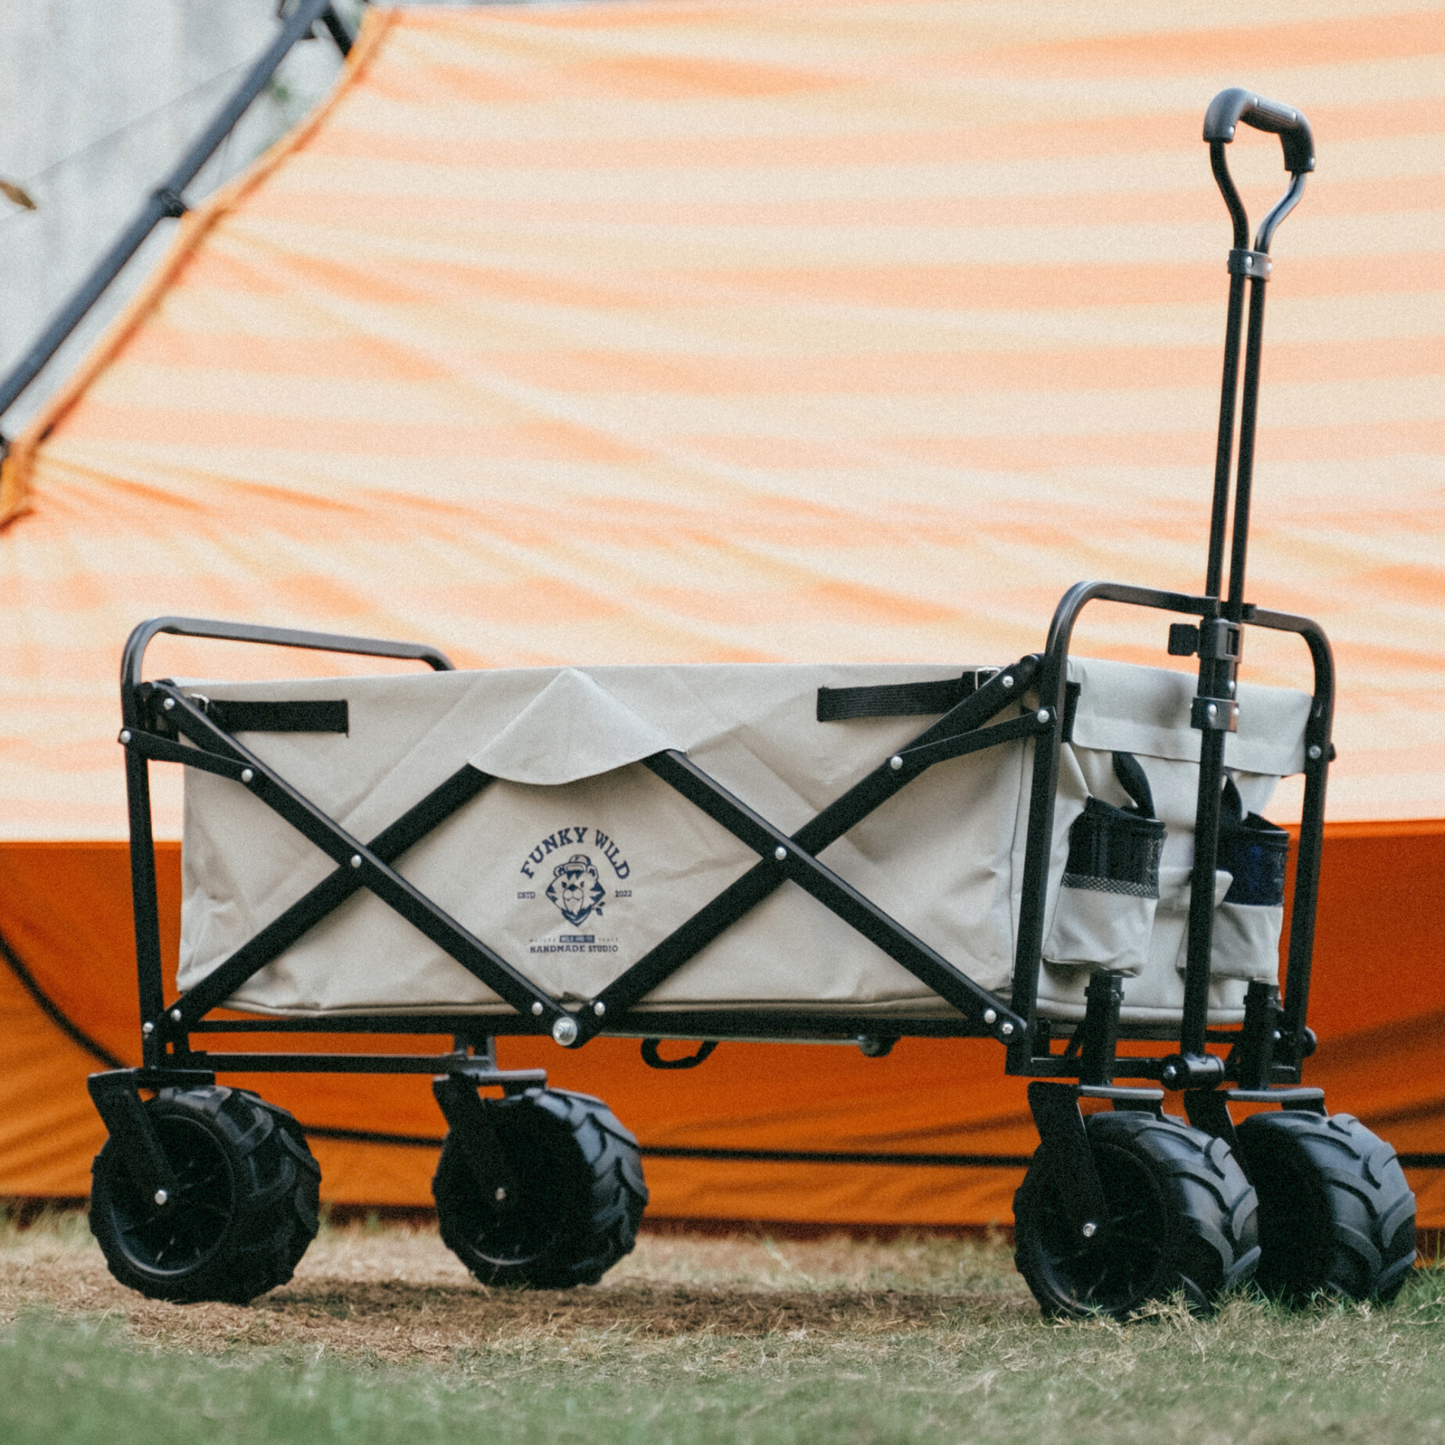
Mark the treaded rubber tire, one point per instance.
(246, 1206)
(1336, 1216)
(580, 1194)
(1180, 1215)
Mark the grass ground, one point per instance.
(383, 1337)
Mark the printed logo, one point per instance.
(575, 890)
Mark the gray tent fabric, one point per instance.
(576, 860)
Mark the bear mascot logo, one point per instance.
(575, 890)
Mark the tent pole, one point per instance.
(166, 200)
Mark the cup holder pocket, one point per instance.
(1104, 916)
(1248, 894)
(1247, 924)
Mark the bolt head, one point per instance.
(169, 704)
(175, 1015)
(247, 775)
(536, 1010)
(161, 1197)
(564, 1031)
(599, 1008)
(1212, 711)
(147, 1028)
(895, 762)
(501, 1194)
(356, 860)
(1006, 680)
(1043, 715)
(1089, 1229)
(1316, 752)
(990, 1016)
(780, 853)
(1006, 1029)
(125, 737)
(1249, 263)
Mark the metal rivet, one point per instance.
(1043, 715)
(1276, 1036)
(1316, 752)
(990, 1016)
(895, 762)
(1211, 711)
(599, 1008)
(1233, 687)
(1089, 1229)
(1248, 263)
(175, 1015)
(125, 736)
(147, 1028)
(1007, 680)
(537, 1010)
(356, 860)
(169, 704)
(565, 1030)
(161, 1196)
(780, 852)
(501, 1194)
(1006, 1029)
(246, 775)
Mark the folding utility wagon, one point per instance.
(1056, 854)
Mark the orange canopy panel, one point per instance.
(703, 332)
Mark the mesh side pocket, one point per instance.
(1247, 924)
(1110, 888)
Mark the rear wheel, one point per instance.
(243, 1212)
(1179, 1215)
(1335, 1213)
(577, 1203)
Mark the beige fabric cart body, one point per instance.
(576, 860)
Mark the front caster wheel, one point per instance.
(1179, 1215)
(578, 1199)
(244, 1208)
(1335, 1213)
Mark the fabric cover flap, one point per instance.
(574, 728)
(1145, 710)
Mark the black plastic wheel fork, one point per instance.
(1065, 1143)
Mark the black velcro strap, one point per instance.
(281, 717)
(899, 699)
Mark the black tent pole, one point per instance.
(166, 200)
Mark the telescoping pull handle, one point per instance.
(1225, 112)
(1231, 106)
(1214, 708)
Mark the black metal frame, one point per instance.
(1264, 1052)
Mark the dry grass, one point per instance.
(382, 1337)
(397, 1294)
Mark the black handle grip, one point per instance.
(1230, 107)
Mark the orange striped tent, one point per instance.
(845, 329)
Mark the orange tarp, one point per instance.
(684, 332)
(1379, 1025)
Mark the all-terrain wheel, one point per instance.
(244, 1210)
(578, 1201)
(1335, 1213)
(1179, 1215)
